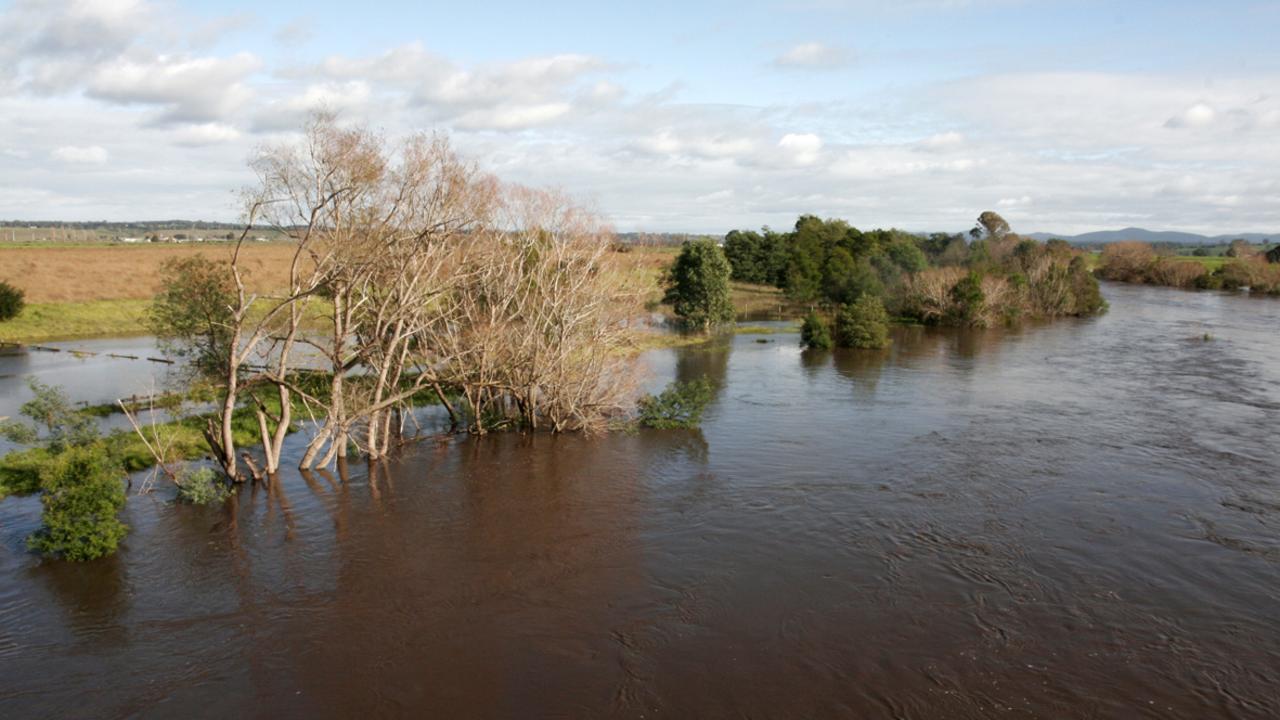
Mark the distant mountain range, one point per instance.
(1156, 236)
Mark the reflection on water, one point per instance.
(1079, 519)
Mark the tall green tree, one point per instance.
(697, 286)
(192, 315)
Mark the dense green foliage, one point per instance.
(12, 301)
(202, 487)
(967, 299)
(80, 477)
(989, 276)
(83, 493)
(679, 406)
(697, 286)
(864, 324)
(814, 333)
(757, 258)
(20, 470)
(192, 314)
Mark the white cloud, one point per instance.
(50, 44)
(812, 55)
(205, 134)
(88, 155)
(1093, 149)
(942, 141)
(803, 148)
(1198, 115)
(192, 90)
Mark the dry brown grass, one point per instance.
(115, 272)
(124, 272)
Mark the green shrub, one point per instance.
(864, 324)
(12, 301)
(814, 333)
(679, 406)
(967, 299)
(83, 494)
(202, 487)
(63, 425)
(20, 471)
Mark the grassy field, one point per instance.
(101, 290)
(64, 321)
(52, 274)
(1213, 263)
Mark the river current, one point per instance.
(1070, 520)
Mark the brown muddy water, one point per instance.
(1075, 520)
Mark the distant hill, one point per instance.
(1156, 236)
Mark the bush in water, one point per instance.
(814, 333)
(83, 494)
(680, 406)
(864, 324)
(202, 487)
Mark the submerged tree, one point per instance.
(697, 286)
(82, 496)
(80, 480)
(864, 324)
(814, 333)
(412, 273)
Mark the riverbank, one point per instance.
(74, 320)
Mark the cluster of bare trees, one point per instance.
(413, 273)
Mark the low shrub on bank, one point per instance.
(12, 301)
(1137, 262)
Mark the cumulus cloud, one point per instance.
(348, 98)
(814, 56)
(1093, 149)
(192, 90)
(76, 155)
(49, 44)
(504, 96)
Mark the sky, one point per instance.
(688, 116)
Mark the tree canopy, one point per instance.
(697, 286)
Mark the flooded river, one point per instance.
(1074, 520)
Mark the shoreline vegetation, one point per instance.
(991, 277)
(1141, 263)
